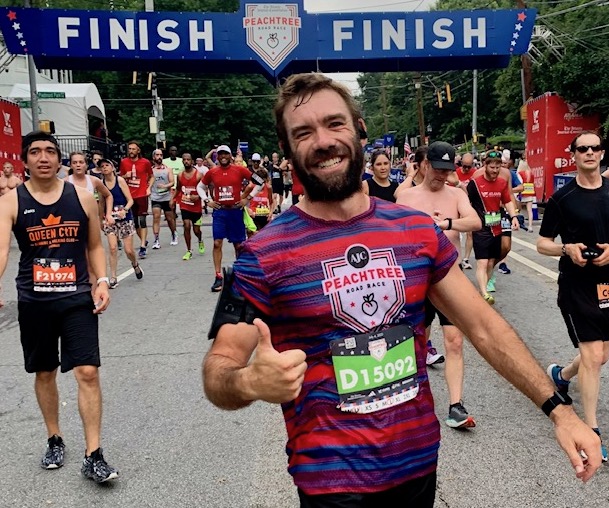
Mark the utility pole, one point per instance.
(384, 104)
(157, 103)
(31, 68)
(419, 88)
(475, 113)
(526, 74)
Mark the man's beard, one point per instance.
(336, 187)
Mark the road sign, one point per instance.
(51, 95)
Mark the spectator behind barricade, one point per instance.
(527, 197)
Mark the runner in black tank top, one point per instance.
(57, 229)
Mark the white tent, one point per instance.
(70, 106)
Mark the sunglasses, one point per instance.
(585, 148)
(494, 155)
(466, 166)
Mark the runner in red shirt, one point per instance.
(487, 192)
(190, 203)
(465, 173)
(137, 171)
(227, 203)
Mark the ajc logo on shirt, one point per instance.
(53, 232)
(366, 287)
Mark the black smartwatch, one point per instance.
(555, 400)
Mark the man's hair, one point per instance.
(28, 139)
(302, 87)
(583, 133)
(262, 173)
(135, 142)
(96, 152)
(420, 154)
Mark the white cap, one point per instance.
(224, 148)
(256, 157)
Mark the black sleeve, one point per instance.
(551, 221)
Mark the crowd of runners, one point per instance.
(372, 274)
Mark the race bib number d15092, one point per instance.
(375, 371)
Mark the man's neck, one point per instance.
(589, 179)
(338, 211)
(43, 185)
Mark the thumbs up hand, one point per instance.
(273, 376)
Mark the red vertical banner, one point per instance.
(10, 136)
(552, 124)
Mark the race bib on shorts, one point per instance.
(528, 189)
(262, 211)
(54, 275)
(603, 295)
(375, 371)
(492, 218)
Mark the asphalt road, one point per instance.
(174, 449)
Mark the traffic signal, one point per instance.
(449, 97)
(439, 95)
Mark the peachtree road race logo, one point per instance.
(8, 128)
(272, 31)
(366, 287)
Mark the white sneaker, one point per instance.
(466, 264)
(156, 244)
(434, 357)
(174, 240)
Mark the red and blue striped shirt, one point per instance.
(309, 276)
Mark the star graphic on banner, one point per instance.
(16, 26)
(518, 26)
(515, 35)
(513, 43)
(19, 35)
(522, 16)
(12, 15)
(23, 43)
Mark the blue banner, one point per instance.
(274, 37)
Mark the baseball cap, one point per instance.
(441, 155)
(256, 157)
(107, 161)
(224, 148)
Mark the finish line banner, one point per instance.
(276, 38)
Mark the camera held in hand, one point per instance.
(591, 253)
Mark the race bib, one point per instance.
(54, 275)
(492, 218)
(603, 295)
(262, 211)
(375, 371)
(528, 189)
(162, 191)
(226, 193)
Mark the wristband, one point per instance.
(450, 224)
(103, 279)
(554, 401)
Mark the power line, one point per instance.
(571, 9)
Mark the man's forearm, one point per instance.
(223, 382)
(97, 260)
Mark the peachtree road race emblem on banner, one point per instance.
(366, 288)
(272, 31)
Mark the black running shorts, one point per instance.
(191, 216)
(71, 319)
(580, 307)
(486, 246)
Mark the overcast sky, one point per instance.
(350, 78)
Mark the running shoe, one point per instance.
(174, 239)
(187, 256)
(142, 253)
(199, 222)
(503, 268)
(530, 230)
(53, 457)
(466, 264)
(201, 247)
(139, 273)
(156, 244)
(433, 357)
(97, 469)
(217, 285)
(490, 286)
(489, 299)
(603, 447)
(113, 283)
(458, 418)
(554, 371)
